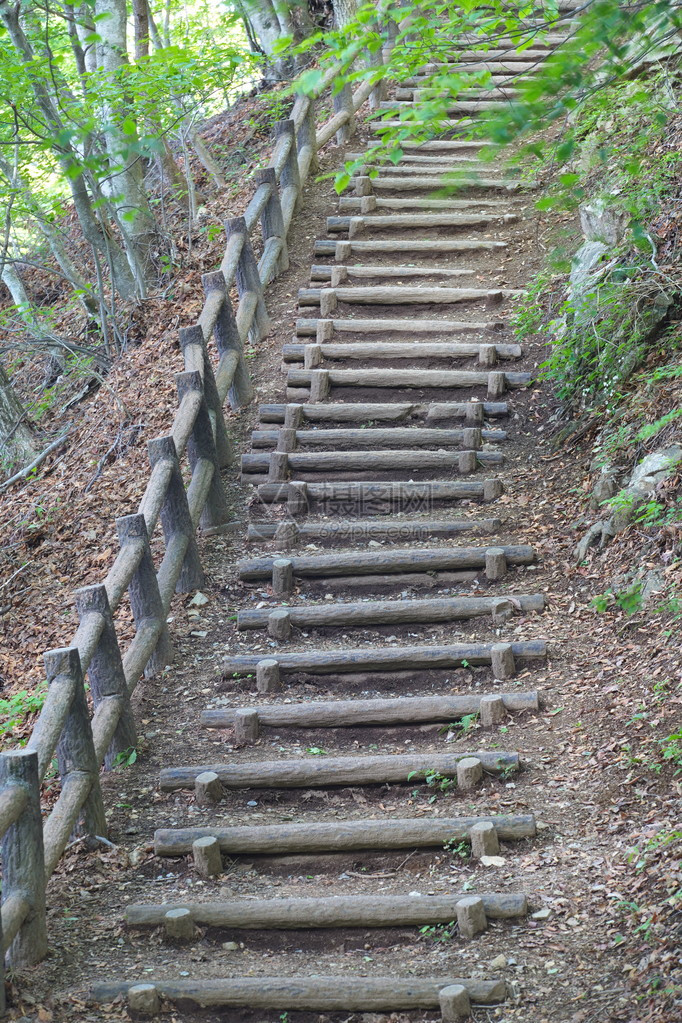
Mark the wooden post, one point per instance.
(143, 591)
(195, 336)
(291, 176)
(271, 219)
(297, 499)
(307, 137)
(267, 675)
(23, 862)
(175, 516)
(343, 100)
(227, 339)
(374, 58)
(105, 671)
(248, 279)
(75, 749)
(201, 446)
(282, 577)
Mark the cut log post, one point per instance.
(349, 713)
(297, 499)
(105, 672)
(294, 417)
(425, 658)
(469, 773)
(466, 462)
(333, 771)
(503, 660)
(179, 925)
(279, 624)
(143, 592)
(320, 384)
(306, 142)
(278, 466)
(316, 994)
(312, 355)
(337, 911)
(343, 103)
(492, 489)
(495, 564)
(487, 355)
(76, 757)
(208, 789)
(290, 178)
(227, 340)
(471, 916)
(286, 535)
(248, 279)
(178, 529)
(246, 725)
(363, 185)
(201, 448)
(454, 1003)
(341, 836)
(324, 331)
(328, 302)
(193, 337)
(497, 385)
(144, 999)
(267, 675)
(271, 219)
(503, 610)
(484, 840)
(208, 861)
(492, 711)
(282, 577)
(23, 863)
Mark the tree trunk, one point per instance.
(344, 12)
(16, 437)
(125, 186)
(141, 28)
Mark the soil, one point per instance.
(592, 805)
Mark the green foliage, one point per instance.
(126, 758)
(16, 708)
(435, 781)
(629, 600)
(439, 933)
(458, 848)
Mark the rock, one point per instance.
(603, 224)
(230, 946)
(653, 584)
(655, 467)
(541, 914)
(199, 599)
(603, 489)
(498, 963)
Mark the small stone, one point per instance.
(541, 914)
(199, 599)
(498, 963)
(230, 946)
(492, 861)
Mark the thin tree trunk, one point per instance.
(141, 28)
(203, 154)
(17, 443)
(344, 12)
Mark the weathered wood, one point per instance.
(472, 913)
(178, 924)
(201, 447)
(343, 103)
(143, 592)
(272, 221)
(454, 1003)
(208, 788)
(333, 771)
(351, 203)
(267, 675)
(416, 560)
(406, 378)
(469, 773)
(246, 725)
(326, 273)
(492, 710)
(341, 836)
(503, 660)
(348, 713)
(282, 577)
(326, 247)
(423, 184)
(143, 999)
(409, 221)
(278, 623)
(387, 612)
(248, 280)
(303, 462)
(373, 497)
(227, 340)
(404, 295)
(23, 863)
(337, 911)
(350, 530)
(192, 340)
(207, 858)
(308, 327)
(316, 994)
(383, 411)
(398, 350)
(485, 840)
(175, 515)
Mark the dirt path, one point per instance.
(324, 814)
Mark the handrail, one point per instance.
(66, 728)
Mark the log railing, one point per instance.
(80, 737)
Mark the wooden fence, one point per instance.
(80, 740)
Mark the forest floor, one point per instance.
(602, 872)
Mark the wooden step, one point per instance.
(341, 836)
(406, 183)
(324, 772)
(391, 659)
(314, 994)
(350, 713)
(414, 559)
(368, 272)
(459, 106)
(345, 249)
(283, 465)
(375, 497)
(319, 328)
(404, 221)
(487, 353)
(369, 203)
(334, 911)
(290, 534)
(320, 381)
(474, 412)
(391, 612)
(373, 438)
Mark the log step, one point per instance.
(406, 183)
(460, 106)
(336, 771)
(314, 994)
(389, 612)
(496, 382)
(403, 295)
(324, 273)
(338, 250)
(487, 354)
(402, 221)
(311, 327)
(335, 911)
(501, 656)
(290, 533)
(348, 713)
(376, 497)
(280, 465)
(350, 412)
(341, 836)
(367, 203)
(374, 438)
(404, 560)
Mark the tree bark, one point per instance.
(16, 436)
(344, 12)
